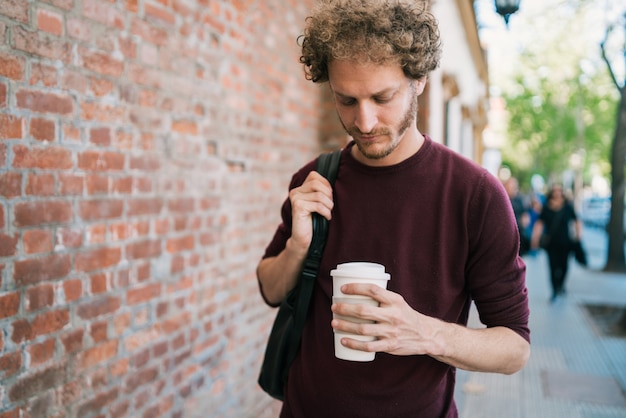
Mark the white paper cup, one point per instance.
(354, 301)
(358, 272)
(345, 353)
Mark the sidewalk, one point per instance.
(575, 370)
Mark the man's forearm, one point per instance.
(278, 275)
(488, 350)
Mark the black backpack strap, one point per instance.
(327, 165)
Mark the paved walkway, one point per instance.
(575, 370)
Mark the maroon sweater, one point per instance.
(444, 229)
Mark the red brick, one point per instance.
(100, 258)
(181, 205)
(78, 29)
(41, 352)
(42, 129)
(100, 401)
(100, 161)
(11, 127)
(10, 184)
(100, 136)
(186, 243)
(144, 249)
(3, 94)
(70, 238)
(143, 294)
(71, 133)
(93, 210)
(2, 225)
(97, 355)
(12, 66)
(42, 212)
(22, 331)
(14, 9)
(119, 368)
(71, 184)
(10, 364)
(96, 184)
(49, 322)
(41, 44)
(101, 87)
(42, 102)
(145, 163)
(187, 127)
(101, 63)
(160, 13)
(104, 13)
(50, 157)
(95, 234)
(99, 283)
(73, 341)
(70, 392)
(8, 245)
(141, 378)
(35, 270)
(122, 185)
(9, 304)
(41, 185)
(39, 297)
(147, 206)
(99, 332)
(38, 382)
(37, 241)
(72, 289)
(42, 74)
(100, 306)
(50, 22)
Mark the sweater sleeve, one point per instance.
(496, 274)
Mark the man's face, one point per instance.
(377, 106)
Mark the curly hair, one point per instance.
(376, 31)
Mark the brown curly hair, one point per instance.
(377, 31)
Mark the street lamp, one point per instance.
(506, 8)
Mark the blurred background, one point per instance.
(146, 147)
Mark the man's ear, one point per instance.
(420, 84)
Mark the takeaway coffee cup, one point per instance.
(358, 272)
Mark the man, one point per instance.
(442, 226)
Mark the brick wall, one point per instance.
(145, 148)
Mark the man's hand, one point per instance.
(278, 275)
(314, 195)
(401, 330)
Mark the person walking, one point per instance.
(441, 225)
(521, 211)
(553, 233)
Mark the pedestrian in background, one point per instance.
(440, 224)
(534, 210)
(520, 209)
(555, 231)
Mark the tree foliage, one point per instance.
(550, 121)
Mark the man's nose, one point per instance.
(365, 118)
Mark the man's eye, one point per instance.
(347, 102)
(382, 100)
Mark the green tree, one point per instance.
(551, 121)
(616, 260)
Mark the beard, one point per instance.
(395, 134)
